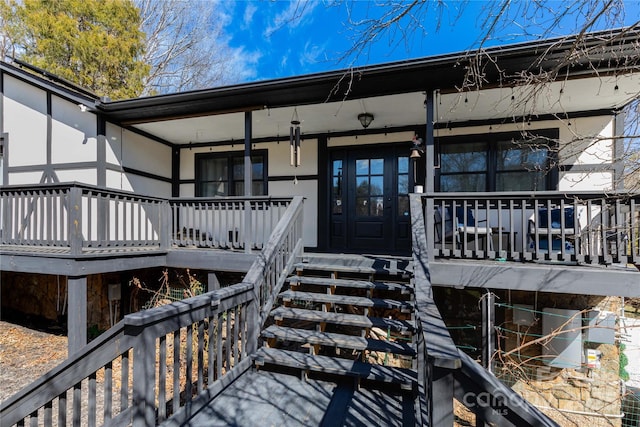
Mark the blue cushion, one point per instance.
(556, 220)
(471, 222)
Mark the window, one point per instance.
(502, 163)
(222, 174)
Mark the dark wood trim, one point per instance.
(591, 167)
(323, 214)
(146, 135)
(2, 102)
(101, 148)
(618, 151)
(4, 141)
(175, 172)
(60, 166)
(146, 174)
(48, 171)
(283, 178)
(248, 131)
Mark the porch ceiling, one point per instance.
(405, 109)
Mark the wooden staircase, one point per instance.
(337, 321)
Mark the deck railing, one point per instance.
(225, 222)
(585, 228)
(167, 361)
(81, 219)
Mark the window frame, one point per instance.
(492, 142)
(230, 156)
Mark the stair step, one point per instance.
(403, 306)
(332, 365)
(336, 340)
(346, 319)
(348, 283)
(353, 269)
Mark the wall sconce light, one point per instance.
(365, 119)
(416, 147)
(294, 139)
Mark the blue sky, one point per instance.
(273, 39)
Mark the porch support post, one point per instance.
(488, 335)
(247, 180)
(213, 284)
(429, 187)
(442, 393)
(77, 315)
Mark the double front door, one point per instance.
(369, 200)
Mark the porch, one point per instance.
(87, 224)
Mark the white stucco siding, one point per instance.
(587, 141)
(585, 181)
(114, 144)
(128, 149)
(279, 161)
(146, 186)
(25, 119)
(24, 178)
(85, 176)
(73, 133)
(146, 155)
(308, 189)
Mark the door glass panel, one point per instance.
(362, 167)
(377, 166)
(377, 206)
(370, 187)
(362, 185)
(362, 206)
(336, 187)
(376, 186)
(403, 186)
(403, 165)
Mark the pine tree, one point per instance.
(96, 44)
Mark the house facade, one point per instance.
(165, 181)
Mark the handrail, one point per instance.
(436, 350)
(277, 258)
(439, 358)
(223, 325)
(439, 345)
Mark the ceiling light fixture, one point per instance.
(365, 119)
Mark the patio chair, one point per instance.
(544, 224)
(465, 228)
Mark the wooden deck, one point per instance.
(260, 398)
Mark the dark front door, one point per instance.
(370, 208)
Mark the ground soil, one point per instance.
(26, 354)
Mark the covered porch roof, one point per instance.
(601, 78)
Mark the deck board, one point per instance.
(260, 398)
